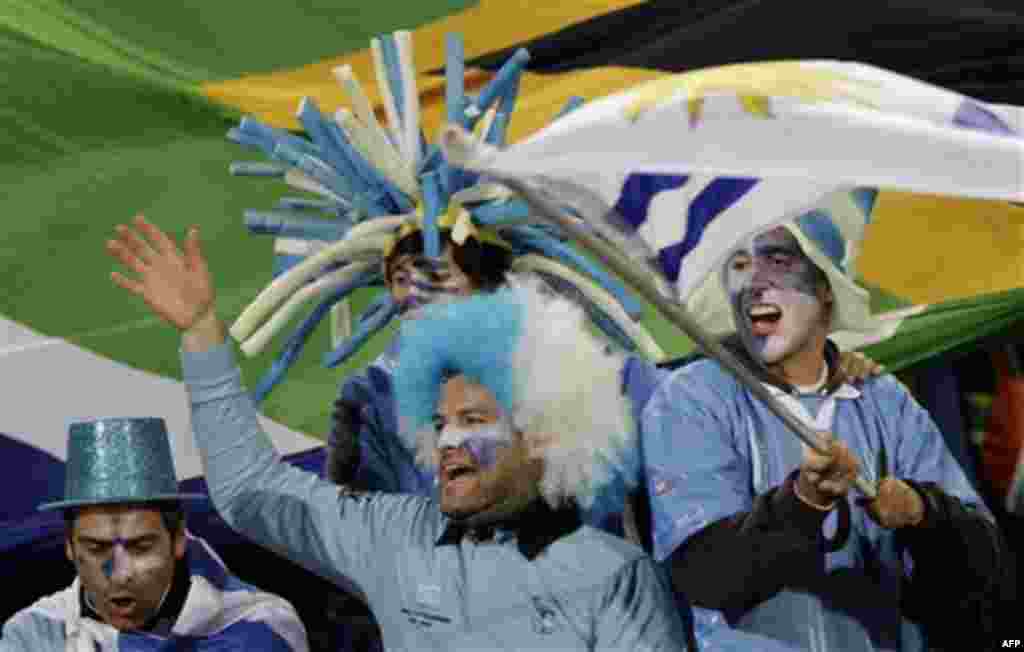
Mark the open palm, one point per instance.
(174, 282)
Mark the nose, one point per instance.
(119, 569)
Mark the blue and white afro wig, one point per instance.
(560, 386)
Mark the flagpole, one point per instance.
(644, 282)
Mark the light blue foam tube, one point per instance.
(507, 75)
(292, 225)
(381, 302)
(370, 174)
(366, 329)
(496, 134)
(320, 171)
(303, 203)
(297, 340)
(455, 80)
(547, 246)
(239, 137)
(494, 214)
(389, 52)
(313, 121)
(433, 204)
(257, 169)
(269, 137)
(574, 103)
(432, 159)
(323, 174)
(507, 104)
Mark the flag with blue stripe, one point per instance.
(693, 163)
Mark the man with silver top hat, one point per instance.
(501, 560)
(143, 583)
(764, 533)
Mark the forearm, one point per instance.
(744, 559)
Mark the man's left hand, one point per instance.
(897, 505)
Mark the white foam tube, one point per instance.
(605, 301)
(299, 180)
(286, 284)
(410, 98)
(378, 151)
(341, 322)
(378, 225)
(294, 304)
(480, 193)
(390, 109)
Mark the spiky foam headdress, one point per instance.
(375, 183)
(529, 347)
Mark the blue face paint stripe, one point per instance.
(108, 568)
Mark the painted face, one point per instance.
(483, 461)
(417, 280)
(125, 559)
(776, 296)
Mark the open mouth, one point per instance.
(763, 318)
(123, 604)
(454, 472)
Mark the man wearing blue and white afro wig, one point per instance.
(511, 399)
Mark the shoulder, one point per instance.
(887, 391)
(698, 386)
(38, 627)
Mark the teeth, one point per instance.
(763, 311)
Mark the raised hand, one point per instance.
(825, 478)
(175, 284)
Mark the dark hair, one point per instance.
(172, 513)
(484, 263)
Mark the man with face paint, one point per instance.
(143, 583)
(503, 563)
(764, 533)
(364, 450)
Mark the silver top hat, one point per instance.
(119, 461)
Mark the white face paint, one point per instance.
(772, 287)
(482, 441)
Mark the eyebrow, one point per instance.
(463, 413)
(771, 249)
(142, 538)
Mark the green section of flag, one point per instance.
(949, 327)
(87, 141)
(198, 40)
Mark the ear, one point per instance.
(69, 551)
(180, 542)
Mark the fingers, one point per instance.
(119, 250)
(133, 243)
(133, 286)
(160, 240)
(194, 258)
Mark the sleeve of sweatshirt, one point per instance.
(336, 533)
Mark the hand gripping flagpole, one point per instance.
(647, 284)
